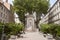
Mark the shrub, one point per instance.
(58, 30)
(53, 29)
(1, 26)
(11, 28)
(44, 28)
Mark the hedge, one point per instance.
(11, 28)
(53, 29)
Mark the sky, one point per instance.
(10, 1)
(51, 2)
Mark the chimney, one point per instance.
(6, 1)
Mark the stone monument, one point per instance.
(30, 23)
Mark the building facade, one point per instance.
(44, 19)
(53, 15)
(6, 15)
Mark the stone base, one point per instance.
(30, 30)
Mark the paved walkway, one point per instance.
(32, 36)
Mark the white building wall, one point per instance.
(16, 18)
(53, 15)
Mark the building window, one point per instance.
(4, 10)
(4, 15)
(59, 15)
(0, 20)
(1, 7)
(59, 4)
(1, 15)
(57, 7)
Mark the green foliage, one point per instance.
(58, 30)
(45, 28)
(31, 5)
(11, 28)
(23, 6)
(53, 29)
(1, 26)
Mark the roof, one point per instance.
(4, 5)
(53, 6)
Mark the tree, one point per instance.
(23, 6)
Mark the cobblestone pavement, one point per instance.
(32, 36)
